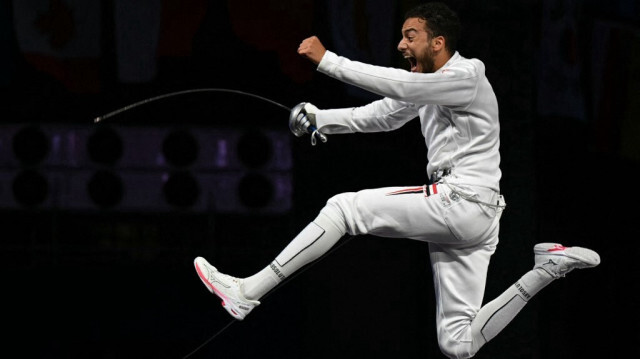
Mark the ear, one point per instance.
(438, 43)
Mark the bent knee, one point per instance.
(342, 200)
(455, 348)
(458, 350)
(338, 210)
(343, 208)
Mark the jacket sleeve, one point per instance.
(453, 86)
(382, 115)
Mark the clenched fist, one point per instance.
(312, 49)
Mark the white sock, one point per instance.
(259, 284)
(310, 244)
(497, 314)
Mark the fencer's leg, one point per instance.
(459, 276)
(240, 295)
(310, 244)
(497, 314)
(552, 261)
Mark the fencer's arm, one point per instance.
(454, 86)
(378, 116)
(383, 115)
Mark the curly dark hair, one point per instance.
(441, 21)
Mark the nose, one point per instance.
(402, 45)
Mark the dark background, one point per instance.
(105, 282)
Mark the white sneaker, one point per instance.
(559, 260)
(228, 288)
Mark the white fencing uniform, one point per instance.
(458, 214)
(458, 113)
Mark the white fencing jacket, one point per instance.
(457, 107)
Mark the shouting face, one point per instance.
(417, 45)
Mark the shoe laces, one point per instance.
(228, 278)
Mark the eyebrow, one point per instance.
(411, 29)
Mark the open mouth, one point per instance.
(413, 64)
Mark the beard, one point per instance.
(427, 62)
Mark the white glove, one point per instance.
(310, 110)
(302, 120)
